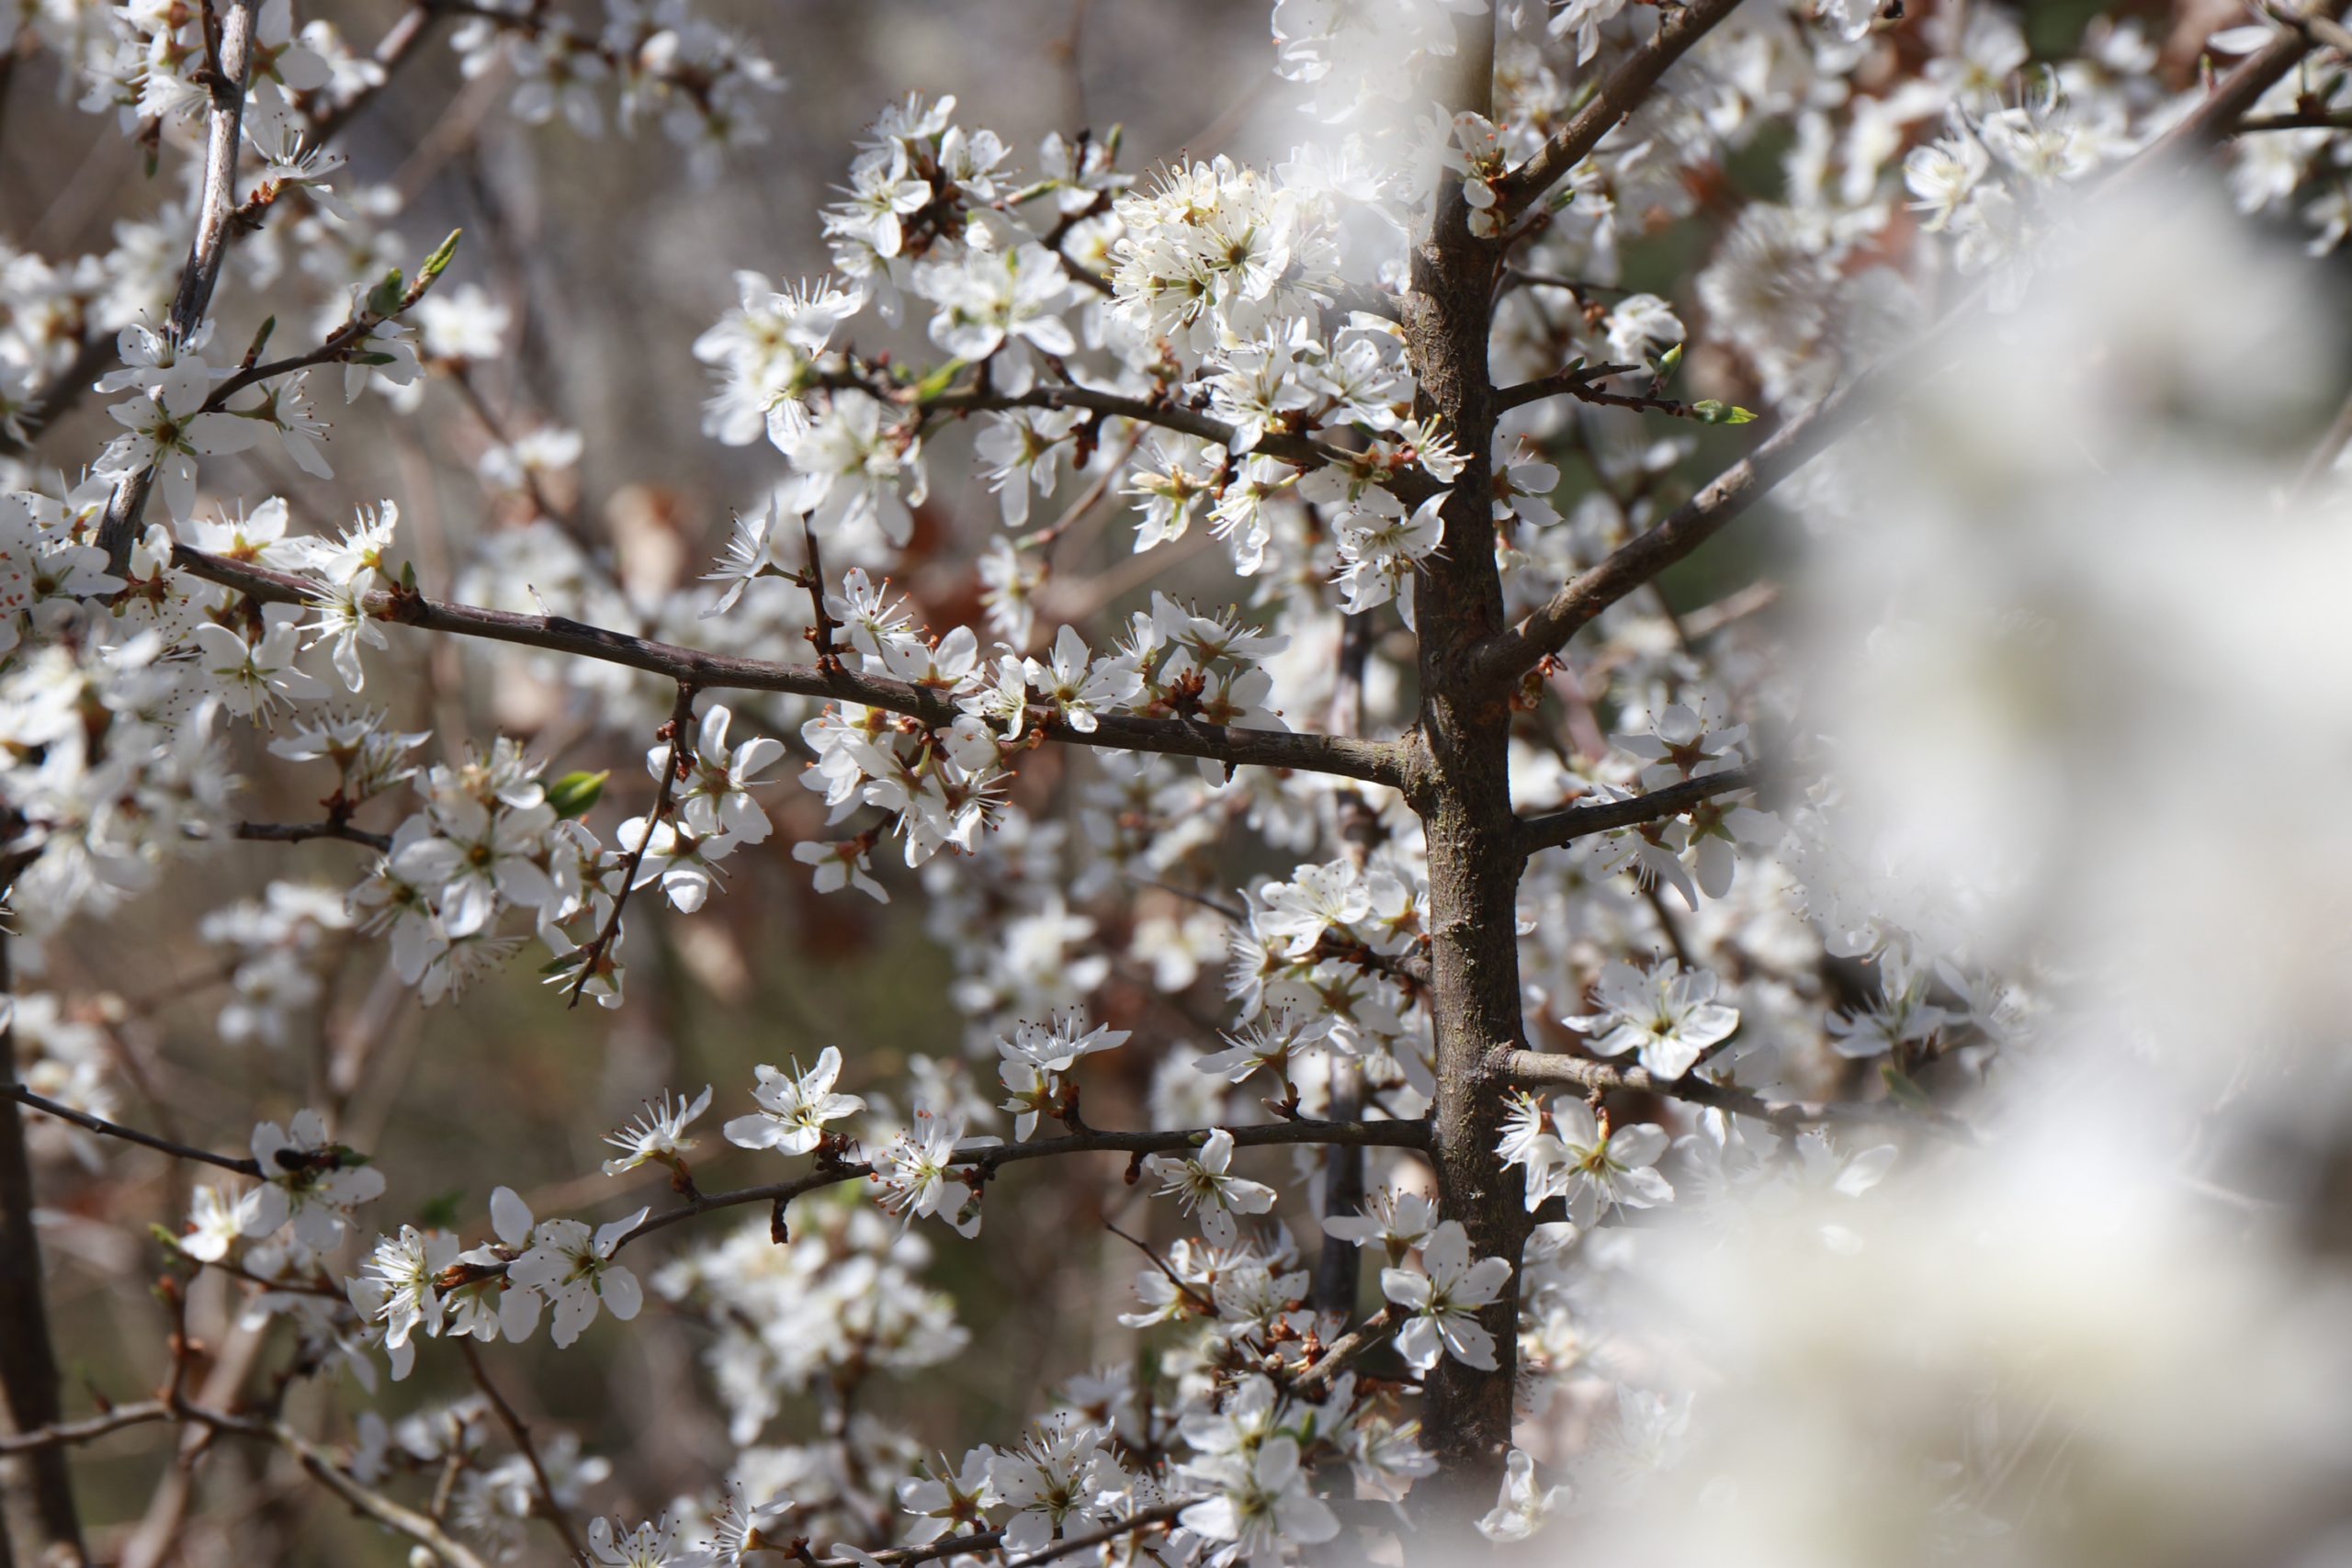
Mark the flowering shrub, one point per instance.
(1690, 1079)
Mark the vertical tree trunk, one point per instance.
(1463, 801)
(41, 1503)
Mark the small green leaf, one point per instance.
(408, 577)
(438, 262)
(938, 381)
(575, 794)
(1670, 362)
(440, 1212)
(567, 964)
(1904, 1088)
(386, 297)
(371, 358)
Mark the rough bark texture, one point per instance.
(1462, 792)
(224, 128)
(42, 1517)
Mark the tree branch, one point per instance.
(1343, 1351)
(989, 1157)
(397, 46)
(29, 1375)
(2224, 110)
(1409, 485)
(24, 1096)
(61, 392)
(1375, 762)
(224, 123)
(1546, 1070)
(1147, 1519)
(681, 730)
(1620, 96)
(88, 1429)
(549, 1508)
(1581, 384)
(1573, 380)
(1558, 827)
(2300, 119)
(322, 1466)
(392, 50)
(1801, 439)
(302, 832)
(1684, 530)
(982, 1540)
(1520, 276)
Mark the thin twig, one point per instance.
(87, 1429)
(331, 350)
(462, 378)
(1623, 91)
(1343, 1351)
(1088, 499)
(829, 658)
(1709, 619)
(1559, 827)
(18, 1092)
(1148, 1518)
(1220, 906)
(1544, 1069)
(1575, 379)
(61, 392)
(313, 1287)
(550, 1509)
(1375, 762)
(681, 730)
(982, 1540)
(302, 832)
(1410, 485)
(395, 49)
(1183, 1286)
(988, 1157)
(322, 1466)
(2300, 119)
(1522, 276)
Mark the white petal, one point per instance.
(510, 1216)
(623, 1295)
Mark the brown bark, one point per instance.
(47, 1521)
(1460, 790)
